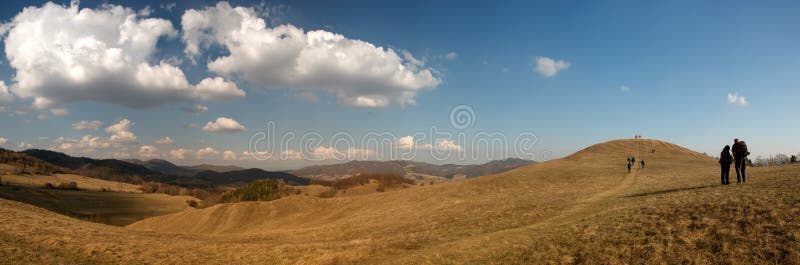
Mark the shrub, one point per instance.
(380, 188)
(49, 185)
(259, 190)
(192, 203)
(72, 185)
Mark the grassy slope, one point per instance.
(581, 209)
(84, 183)
(114, 208)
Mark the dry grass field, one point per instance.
(84, 183)
(582, 209)
(113, 208)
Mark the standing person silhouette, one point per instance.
(725, 160)
(629, 166)
(740, 154)
(642, 162)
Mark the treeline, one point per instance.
(163, 188)
(259, 190)
(25, 164)
(387, 180)
(775, 160)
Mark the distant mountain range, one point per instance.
(134, 171)
(168, 168)
(409, 168)
(241, 177)
(107, 169)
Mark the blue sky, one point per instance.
(681, 60)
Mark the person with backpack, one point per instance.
(740, 154)
(629, 166)
(725, 160)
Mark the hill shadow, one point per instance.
(643, 194)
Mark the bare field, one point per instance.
(583, 209)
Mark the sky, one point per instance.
(281, 85)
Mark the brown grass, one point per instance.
(581, 209)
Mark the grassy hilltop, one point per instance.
(584, 208)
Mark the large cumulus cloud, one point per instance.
(357, 72)
(64, 54)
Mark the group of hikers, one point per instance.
(632, 161)
(739, 157)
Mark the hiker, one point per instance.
(629, 166)
(725, 160)
(642, 162)
(740, 154)
(633, 159)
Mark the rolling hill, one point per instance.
(584, 208)
(168, 168)
(241, 177)
(164, 167)
(215, 168)
(107, 169)
(136, 171)
(409, 168)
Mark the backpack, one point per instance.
(743, 149)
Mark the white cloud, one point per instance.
(121, 132)
(548, 67)
(224, 125)
(87, 125)
(5, 96)
(357, 72)
(217, 88)
(737, 100)
(290, 154)
(59, 112)
(445, 145)
(249, 156)
(196, 108)
(121, 140)
(24, 146)
(408, 143)
(42, 116)
(624, 88)
(145, 12)
(179, 153)
(148, 151)
(451, 56)
(3, 140)
(165, 141)
(64, 54)
(86, 145)
(168, 6)
(228, 155)
(203, 152)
